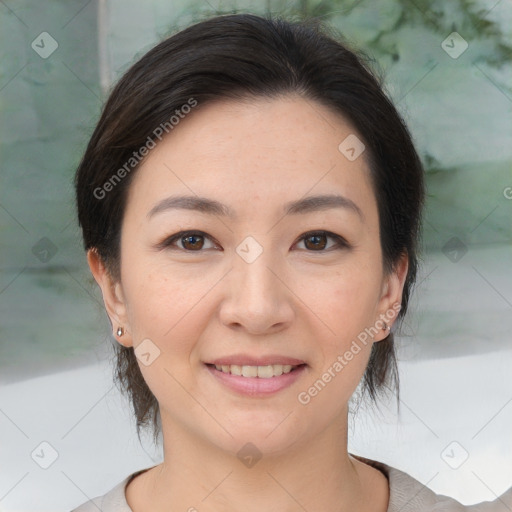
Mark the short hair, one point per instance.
(243, 56)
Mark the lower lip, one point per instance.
(256, 386)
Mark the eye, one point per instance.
(194, 241)
(191, 241)
(316, 241)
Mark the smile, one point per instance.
(256, 381)
(263, 372)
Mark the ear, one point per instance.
(112, 297)
(391, 297)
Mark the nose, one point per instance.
(257, 296)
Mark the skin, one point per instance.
(293, 300)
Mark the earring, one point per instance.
(386, 327)
(120, 331)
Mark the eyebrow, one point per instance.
(213, 207)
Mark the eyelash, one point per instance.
(341, 243)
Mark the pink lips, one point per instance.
(256, 386)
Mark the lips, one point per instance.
(256, 381)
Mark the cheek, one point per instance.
(148, 301)
(167, 305)
(167, 311)
(344, 300)
(345, 304)
(156, 303)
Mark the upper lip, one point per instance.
(248, 360)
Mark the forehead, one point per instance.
(242, 151)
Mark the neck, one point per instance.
(314, 475)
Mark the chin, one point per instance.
(263, 436)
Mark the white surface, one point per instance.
(86, 421)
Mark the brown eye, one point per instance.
(187, 241)
(315, 241)
(192, 242)
(318, 241)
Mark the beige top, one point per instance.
(406, 494)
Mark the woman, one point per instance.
(250, 204)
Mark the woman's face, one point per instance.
(265, 276)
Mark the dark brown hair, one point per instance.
(242, 56)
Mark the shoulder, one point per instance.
(113, 501)
(406, 494)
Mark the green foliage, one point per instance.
(440, 17)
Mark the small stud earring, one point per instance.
(120, 331)
(386, 327)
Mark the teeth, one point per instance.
(263, 372)
(234, 369)
(278, 369)
(250, 371)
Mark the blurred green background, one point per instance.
(59, 60)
